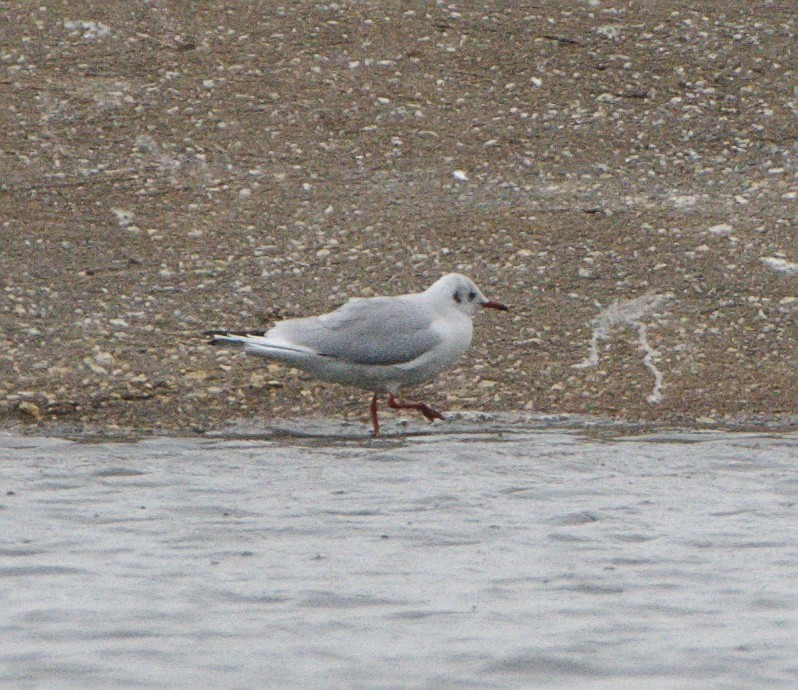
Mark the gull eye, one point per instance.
(457, 297)
(472, 296)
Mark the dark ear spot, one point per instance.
(458, 297)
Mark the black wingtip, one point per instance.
(220, 337)
(213, 333)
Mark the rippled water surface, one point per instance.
(500, 559)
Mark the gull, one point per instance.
(379, 344)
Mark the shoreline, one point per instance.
(403, 427)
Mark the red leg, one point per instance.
(374, 421)
(423, 408)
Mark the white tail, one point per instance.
(265, 347)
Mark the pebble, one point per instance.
(94, 367)
(720, 229)
(779, 264)
(30, 409)
(104, 359)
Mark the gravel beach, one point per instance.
(624, 175)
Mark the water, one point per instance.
(523, 558)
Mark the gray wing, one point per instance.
(375, 330)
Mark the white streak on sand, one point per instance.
(628, 313)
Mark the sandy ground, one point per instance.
(623, 174)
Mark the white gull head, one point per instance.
(457, 291)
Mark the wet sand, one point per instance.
(622, 174)
(310, 558)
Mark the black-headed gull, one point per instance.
(379, 343)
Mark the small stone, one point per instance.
(720, 229)
(608, 31)
(123, 216)
(93, 366)
(195, 376)
(779, 264)
(460, 175)
(104, 358)
(91, 30)
(30, 409)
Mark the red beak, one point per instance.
(495, 305)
